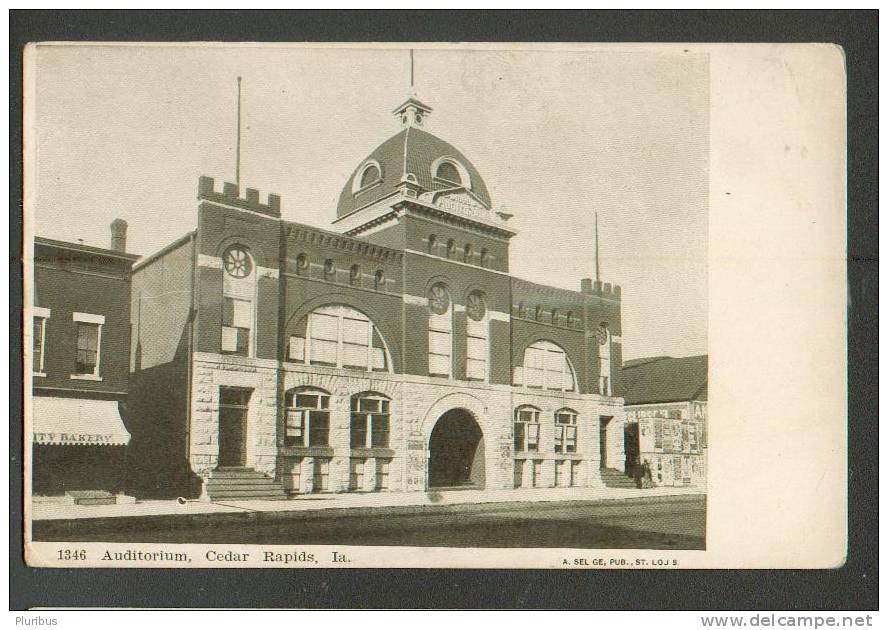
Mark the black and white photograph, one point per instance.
(294, 305)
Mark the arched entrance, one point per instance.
(456, 452)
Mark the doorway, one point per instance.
(631, 447)
(456, 452)
(233, 405)
(603, 423)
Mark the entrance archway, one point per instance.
(456, 452)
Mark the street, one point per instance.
(676, 522)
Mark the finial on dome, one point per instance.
(412, 112)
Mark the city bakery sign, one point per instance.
(73, 438)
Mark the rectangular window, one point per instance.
(87, 348)
(297, 349)
(369, 423)
(356, 474)
(293, 478)
(321, 474)
(518, 479)
(537, 479)
(476, 349)
(562, 473)
(658, 433)
(382, 473)
(237, 321)
(534, 367)
(527, 430)
(39, 335)
(307, 419)
(554, 370)
(440, 344)
(565, 432)
(319, 428)
(574, 473)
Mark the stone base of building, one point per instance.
(441, 434)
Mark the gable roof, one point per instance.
(665, 379)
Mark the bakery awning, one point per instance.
(78, 421)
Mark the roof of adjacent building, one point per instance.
(665, 379)
(412, 151)
(81, 248)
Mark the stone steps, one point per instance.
(242, 484)
(613, 478)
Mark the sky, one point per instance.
(557, 135)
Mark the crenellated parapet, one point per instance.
(230, 196)
(600, 289)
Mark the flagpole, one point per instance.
(237, 163)
(597, 268)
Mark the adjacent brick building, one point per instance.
(80, 344)
(666, 401)
(393, 352)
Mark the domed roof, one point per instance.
(415, 152)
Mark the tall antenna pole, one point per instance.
(237, 163)
(597, 267)
(411, 69)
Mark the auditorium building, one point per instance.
(392, 352)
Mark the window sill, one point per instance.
(374, 451)
(306, 451)
(42, 374)
(85, 377)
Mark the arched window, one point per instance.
(451, 246)
(546, 367)
(477, 337)
(527, 429)
(302, 264)
(555, 316)
(379, 279)
(483, 261)
(307, 417)
(467, 253)
(370, 420)
(433, 245)
(565, 431)
(448, 171)
(238, 298)
(604, 360)
(354, 274)
(570, 319)
(329, 269)
(339, 336)
(440, 331)
(370, 175)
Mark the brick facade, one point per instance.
(248, 328)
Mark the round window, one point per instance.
(439, 299)
(237, 262)
(475, 307)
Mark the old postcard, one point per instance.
(427, 305)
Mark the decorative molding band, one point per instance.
(456, 262)
(39, 311)
(499, 316)
(211, 262)
(415, 300)
(267, 272)
(88, 318)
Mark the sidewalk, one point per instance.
(58, 509)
